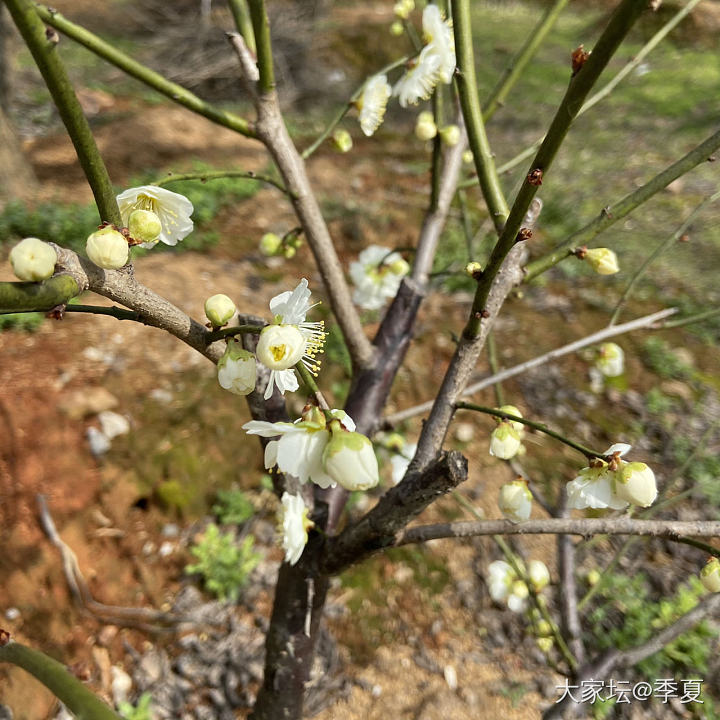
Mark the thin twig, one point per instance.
(204, 176)
(673, 530)
(645, 322)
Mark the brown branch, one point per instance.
(380, 527)
(670, 529)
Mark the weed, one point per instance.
(142, 710)
(224, 565)
(233, 507)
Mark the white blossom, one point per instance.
(349, 459)
(539, 574)
(595, 486)
(401, 460)
(505, 587)
(377, 274)
(515, 501)
(373, 102)
(236, 369)
(420, 78)
(611, 360)
(33, 260)
(439, 34)
(290, 339)
(173, 209)
(299, 448)
(295, 524)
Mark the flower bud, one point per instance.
(270, 243)
(504, 441)
(399, 267)
(519, 589)
(342, 140)
(450, 135)
(611, 360)
(280, 346)
(602, 260)
(107, 248)
(545, 644)
(403, 8)
(593, 577)
(543, 628)
(512, 410)
(397, 29)
(219, 309)
(425, 128)
(515, 501)
(289, 252)
(710, 575)
(538, 574)
(237, 371)
(473, 269)
(145, 226)
(33, 260)
(635, 484)
(349, 459)
(467, 156)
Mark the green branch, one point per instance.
(68, 689)
(261, 27)
(664, 245)
(243, 23)
(144, 74)
(625, 15)
(116, 312)
(232, 331)
(587, 452)
(44, 51)
(612, 213)
(18, 297)
(472, 114)
(519, 62)
(606, 89)
(218, 175)
(690, 319)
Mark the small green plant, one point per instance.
(224, 565)
(233, 507)
(659, 357)
(142, 710)
(627, 616)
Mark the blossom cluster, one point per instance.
(377, 274)
(506, 586)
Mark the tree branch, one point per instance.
(470, 104)
(217, 175)
(145, 75)
(622, 19)
(18, 297)
(673, 530)
(610, 214)
(647, 322)
(44, 51)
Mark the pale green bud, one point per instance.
(33, 260)
(219, 309)
(710, 575)
(504, 441)
(289, 252)
(270, 243)
(593, 577)
(342, 140)
(349, 459)
(520, 589)
(467, 156)
(602, 260)
(512, 410)
(403, 8)
(473, 269)
(611, 360)
(425, 128)
(450, 135)
(545, 644)
(399, 267)
(543, 628)
(108, 248)
(397, 29)
(144, 225)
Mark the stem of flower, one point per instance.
(587, 452)
(222, 333)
